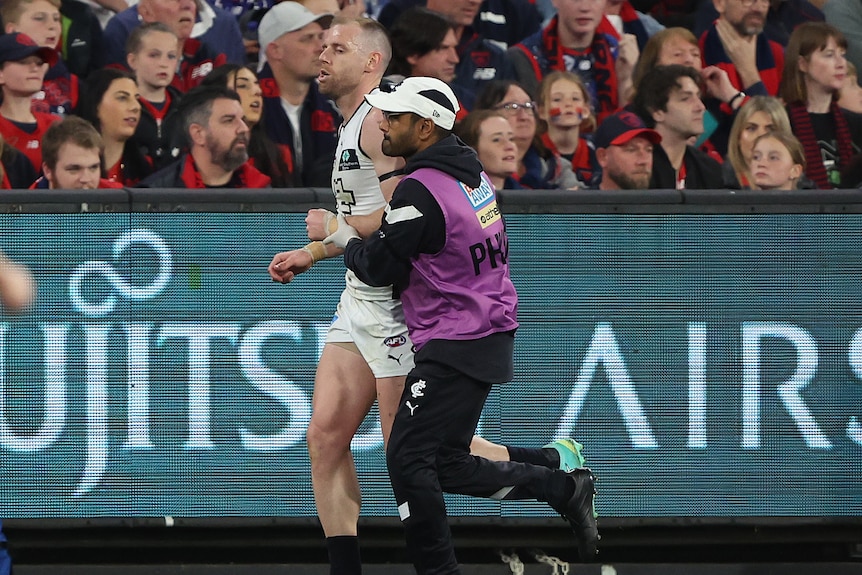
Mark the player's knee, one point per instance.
(326, 440)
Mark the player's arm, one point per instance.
(285, 266)
(413, 225)
(320, 223)
(389, 169)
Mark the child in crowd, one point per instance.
(565, 108)
(777, 161)
(152, 55)
(758, 116)
(41, 21)
(23, 64)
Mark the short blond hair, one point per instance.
(11, 10)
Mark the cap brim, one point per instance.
(48, 55)
(651, 135)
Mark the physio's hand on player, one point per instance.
(342, 235)
(319, 223)
(287, 265)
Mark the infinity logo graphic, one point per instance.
(118, 283)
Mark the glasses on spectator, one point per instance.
(513, 108)
(750, 3)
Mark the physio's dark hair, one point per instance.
(655, 88)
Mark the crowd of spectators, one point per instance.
(554, 94)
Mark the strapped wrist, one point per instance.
(316, 250)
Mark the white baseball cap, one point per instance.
(426, 97)
(286, 17)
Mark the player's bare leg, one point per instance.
(389, 391)
(344, 391)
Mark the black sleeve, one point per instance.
(413, 224)
(18, 168)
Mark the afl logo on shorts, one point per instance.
(396, 341)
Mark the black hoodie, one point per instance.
(413, 225)
(420, 227)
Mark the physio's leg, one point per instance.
(565, 454)
(344, 391)
(429, 415)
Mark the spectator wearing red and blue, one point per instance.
(197, 59)
(210, 36)
(41, 21)
(737, 44)
(23, 64)
(480, 60)
(297, 114)
(72, 158)
(571, 41)
(217, 139)
(502, 22)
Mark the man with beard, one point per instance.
(668, 100)
(737, 44)
(624, 149)
(217, 138)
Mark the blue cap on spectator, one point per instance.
(16, 46)
(618, 129)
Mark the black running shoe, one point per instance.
(579, 512)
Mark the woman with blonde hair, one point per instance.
(777, 161)
(814, 70)
(759, 115)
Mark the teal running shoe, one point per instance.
(570, 453)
